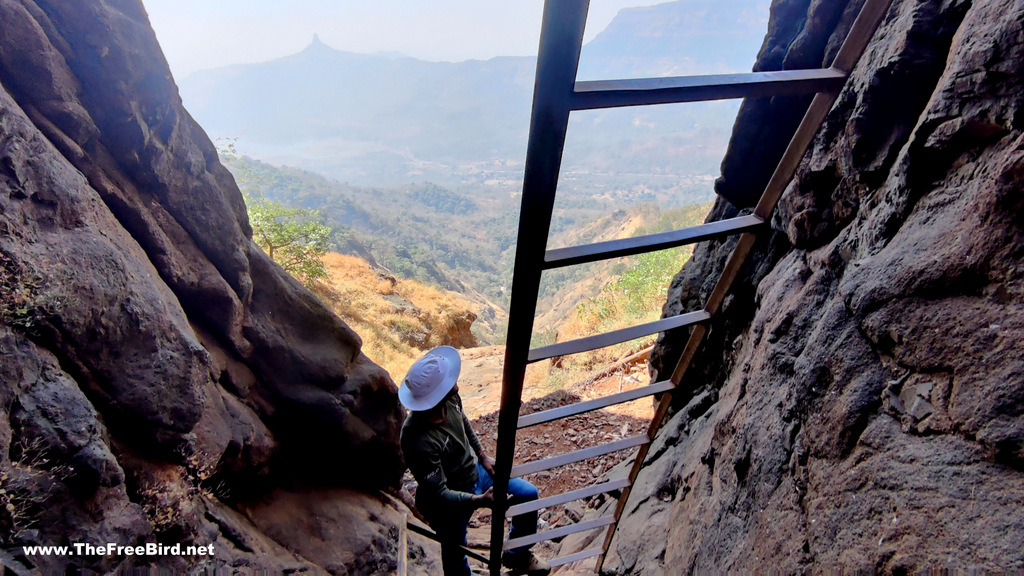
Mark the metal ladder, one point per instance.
(556, 94)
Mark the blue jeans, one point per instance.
(452, 525)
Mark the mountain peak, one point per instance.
(317, 45)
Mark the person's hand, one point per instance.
(488, 463)
(485, 499)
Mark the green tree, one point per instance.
(290, 236)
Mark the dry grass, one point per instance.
(397, 319)
(603, 313)
(27, 482)
(606, 312)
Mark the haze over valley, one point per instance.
(417, 166)
(386, 119)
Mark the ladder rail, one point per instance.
(598, 94)
(595, 404)
(566, 497)
(570, 558)
(558, 57)
(403, 546)
(559, 532)
(575, 255)
(616, 336)
(578, 455)
(556, 94)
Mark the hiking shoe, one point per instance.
(525, 563)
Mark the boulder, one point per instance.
(158, 368)
(344, 531)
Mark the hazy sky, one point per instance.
(200, 34)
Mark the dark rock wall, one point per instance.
(859, 403)
(154, 360)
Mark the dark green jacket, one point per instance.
(442, 457)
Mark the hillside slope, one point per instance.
(398, 320)
(465, 243)
(425, 232)
(858, 405)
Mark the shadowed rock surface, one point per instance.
(158, 370)
(858, 404)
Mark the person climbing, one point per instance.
(451, 468)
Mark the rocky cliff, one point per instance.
(859, 402)
(161, 379)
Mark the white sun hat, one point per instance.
(430, 379)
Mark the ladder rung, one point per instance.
(594, 94)
(595, 404)
(567, 497)
(616, 336)
(570, 457)
(574, 255)
(558, 532)
(570, 558)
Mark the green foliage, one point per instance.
(18, 293)
(462, 237)
(543, 338)
(293, 237)
(677, 218)
(248, 180)
(290, 236)
(441, 199)
(642, 287)
(636, 295)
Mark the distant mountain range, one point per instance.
(387, 120)
(679, 38)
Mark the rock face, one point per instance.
(155, 363)
(859, 402)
